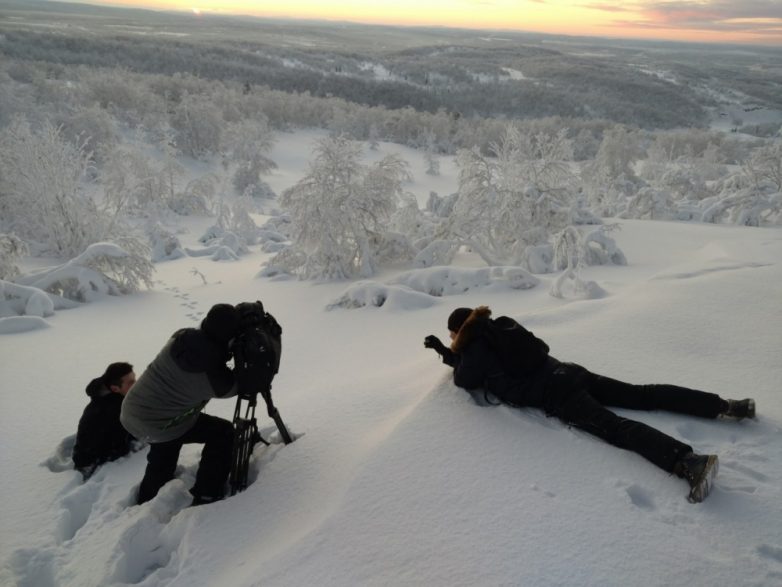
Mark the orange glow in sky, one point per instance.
(737, 21)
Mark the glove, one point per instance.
(432, 342)
(137, 445)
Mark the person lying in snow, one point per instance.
(164, 407)
(100, 437)
(510, 363)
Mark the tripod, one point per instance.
(246, 436)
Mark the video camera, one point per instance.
(256, 349)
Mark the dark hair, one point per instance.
(221, 323)
(457, 318)
(114, 373)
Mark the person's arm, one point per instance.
(448, 356)
(118, 438)
(475, 365)
(193, 352)
(87, 438)
(222, 381)
(472, 366)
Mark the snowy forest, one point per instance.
(621, 199)
(113, 132)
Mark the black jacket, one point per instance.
(100, 436)
(477, 366)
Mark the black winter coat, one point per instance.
(477, 366)
(100, 436)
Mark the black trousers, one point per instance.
(216, 435)
(579, 398)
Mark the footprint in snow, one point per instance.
(771, 552)
(32, 567)
(61, 459)
(695, 431)
(547, 493)
(746, 471)
(77, 507)
(142, 549)
(640, 497)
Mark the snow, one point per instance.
(398, 477)
(514, 74)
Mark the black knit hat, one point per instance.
(221, 323)
(457, 318)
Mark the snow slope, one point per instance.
(397, 477)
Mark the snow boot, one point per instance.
(204, 499)
(699, 471)
(738, 409)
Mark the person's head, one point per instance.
(119, 378)
(456, 319)
(221, 324)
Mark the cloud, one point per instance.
(762, 17)
(716, 10)
(609, 7)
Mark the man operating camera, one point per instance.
(164, 407)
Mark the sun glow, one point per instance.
(707, 20)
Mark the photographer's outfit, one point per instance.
(578, 397)
(100, 437)
(164, 406)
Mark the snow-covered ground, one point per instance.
(397, 477)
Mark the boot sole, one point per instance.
(750, 414)
(702, 489)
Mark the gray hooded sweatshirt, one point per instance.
(165, 401)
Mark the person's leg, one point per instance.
(585, 412)
(216, 435)
(672, 398)
(161, 465)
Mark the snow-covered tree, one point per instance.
(745, 197)
(12, 248)
(136, 183)
(198, 126)
(21, 300)
(164, 244)
(511, 204)
(432, 163)
(197, 197)
(430, 154)
(373, 137)
(247, 144)
(764, 165)
(618, 151)
(410, 220)
(92, 126)
(574, 249)
(610, 178)
(235, 218)
(650, 203)
(340, 212)
(513, 199)
(103, 268)
(41, 193)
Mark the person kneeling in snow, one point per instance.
(510, 363)
(100, 437)
(164, 407)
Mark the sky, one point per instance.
(745, 21)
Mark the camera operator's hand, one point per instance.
(432, 342)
